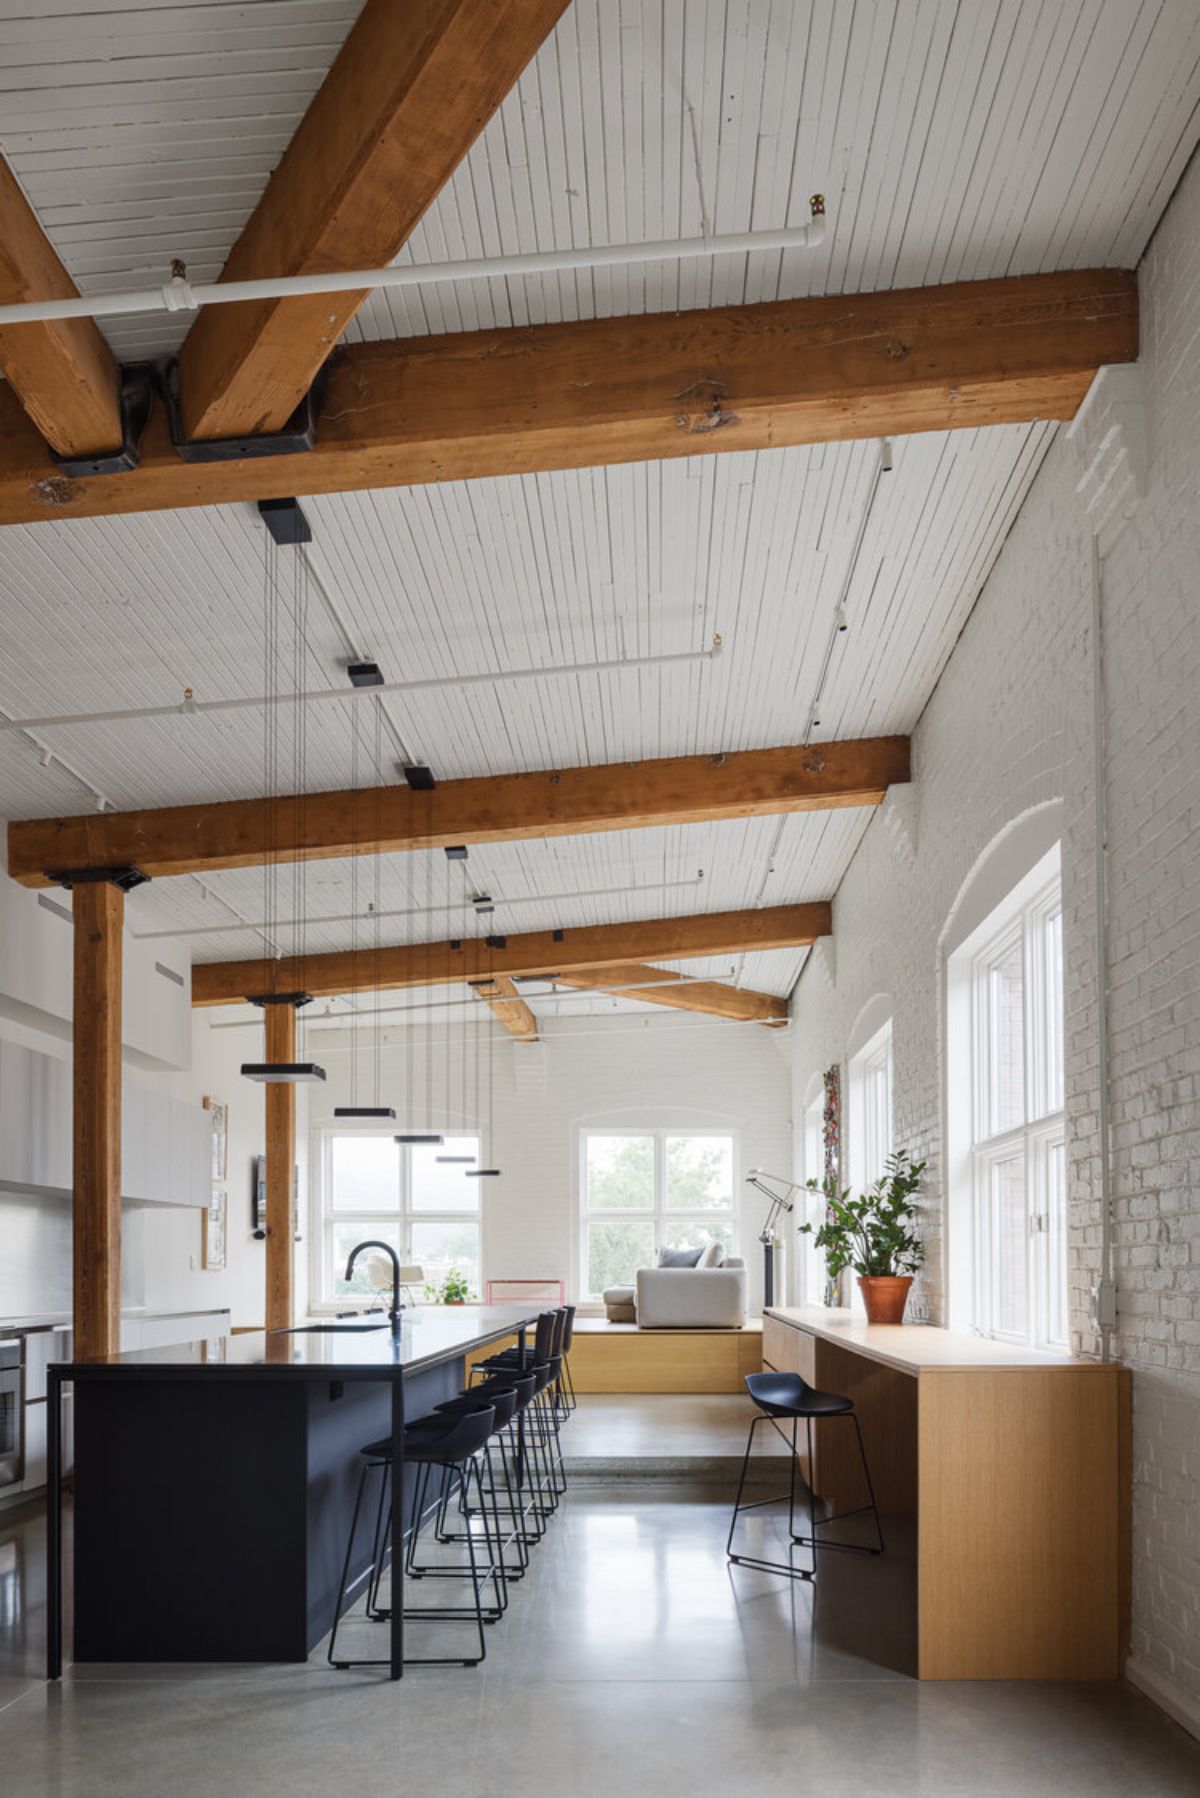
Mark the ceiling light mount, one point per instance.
(126, 877)
(286, 521)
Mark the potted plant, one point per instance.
(454, 1289)
(873, 1233)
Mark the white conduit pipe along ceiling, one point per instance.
(522, 982)
(179, 295)
(188, 707)
(479, 903)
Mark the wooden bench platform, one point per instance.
(622, 1358)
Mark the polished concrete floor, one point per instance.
(650, 1425)
(633, 1660)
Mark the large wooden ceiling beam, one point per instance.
(245, 833)
(506, 1003)
(410, 91)
(63, 373)
(654, 986)
(543, 952)
(612, 390)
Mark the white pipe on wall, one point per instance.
(1105, 1292)
(179, 295)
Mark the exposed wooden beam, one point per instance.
(503, 808)
(472, 959)
(96, 1129)
(280, 1040)
(63, 373)
(507, 1004)
(410, 91)
(712, 997)
(610, 390)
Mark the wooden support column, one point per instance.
(96, 1181)
(280, 1023)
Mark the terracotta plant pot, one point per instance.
(885, 1296)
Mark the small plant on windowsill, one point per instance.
(873, 1233)
(454, 1289)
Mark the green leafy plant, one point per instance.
(872, 1233)
(454, 1289)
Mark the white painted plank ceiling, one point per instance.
(952, 141)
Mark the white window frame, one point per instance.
(323, 1301)
(870, 1122)
(976, 1149)
(659, 1213)
(811, 1206)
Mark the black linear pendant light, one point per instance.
(486, 1172)
(378, 1112)
(281, 621)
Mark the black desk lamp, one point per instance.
(757, 1177)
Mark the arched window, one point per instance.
(1006, 1135)
(868, 1104)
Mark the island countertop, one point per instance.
(182, 1450)
(430, 1335)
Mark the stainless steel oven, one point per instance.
(12, 1411)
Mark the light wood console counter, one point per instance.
(1015, 1466)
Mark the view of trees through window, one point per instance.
(666, 1189)
(406, 1196)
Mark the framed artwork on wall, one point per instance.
(831, 1145)
(219, 1113)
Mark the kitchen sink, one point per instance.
(329, 1329)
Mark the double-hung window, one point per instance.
(870, 1120)
(404, 1194)
(1006, 1039)
(643, 1190)
(871, 1109)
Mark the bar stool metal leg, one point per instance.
(740, 1506)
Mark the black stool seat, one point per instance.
(435, 1438)
(788, 1395)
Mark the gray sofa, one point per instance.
(682, 1298)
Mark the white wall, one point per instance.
(175, 1279)
(1008, 731)
(629, 1070)
(161, 1246)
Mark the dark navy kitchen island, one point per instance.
(214, 1481)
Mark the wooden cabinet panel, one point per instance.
(1020, 1535)
(777, 1339)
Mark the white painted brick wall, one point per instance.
(1008, 728)
(610, 1072)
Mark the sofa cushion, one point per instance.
(678, 1257)
(713, 1256)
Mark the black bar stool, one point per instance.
(522, 1458)
(565, 1389)
(452, 1443)
(503, 1397)
(786, 1396)
(544, 1360)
